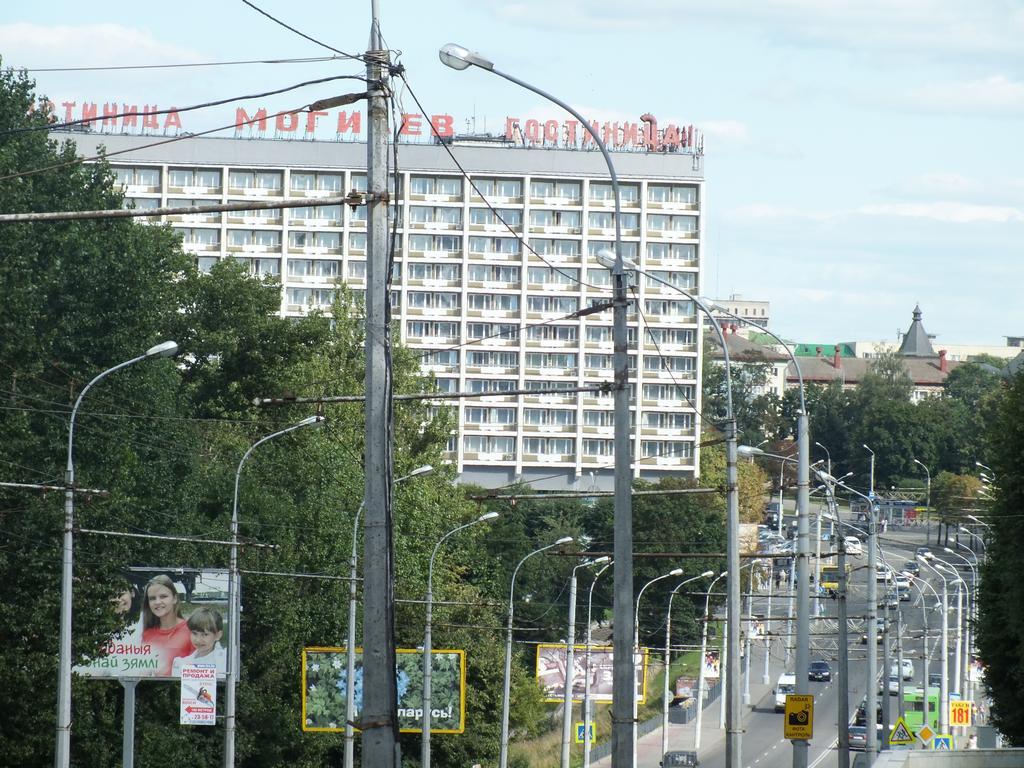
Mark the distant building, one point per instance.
(926, 368)
(743, 352)
(756, 311)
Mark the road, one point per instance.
(762, 742)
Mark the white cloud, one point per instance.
(940, 27)
(993, 95)
(950, 212)
(733, 131)
(945, 211)
(34, 45)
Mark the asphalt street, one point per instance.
(763, 745)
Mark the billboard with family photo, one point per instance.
(551, 672)
(174, 618)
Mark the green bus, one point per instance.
(913, 708)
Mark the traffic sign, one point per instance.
(798, 723)
(960, 712)
(943, 742)
(580, 733)
(901, 733)
(925, 734)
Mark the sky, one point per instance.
(861, 157)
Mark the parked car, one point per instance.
(853, 546)
(819, 670)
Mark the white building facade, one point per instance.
(488, 313)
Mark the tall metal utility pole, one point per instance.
(803, 572)
(871, 694)
(378, 720)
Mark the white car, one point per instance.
(853, 546)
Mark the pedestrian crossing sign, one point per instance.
(581, 734)
(943, 742)
(901, 733)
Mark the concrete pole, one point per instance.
(886, 670)
(586, 686)
(803, 634)
(734, 724)
(746, 644)
(765, 679)
(379, 722)
(723, 666)
(871, 692)
(844, 655)
(570, 640)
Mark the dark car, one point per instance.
(925, 552)
(912, 568)
(819, 670)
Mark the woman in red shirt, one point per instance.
(163, 625)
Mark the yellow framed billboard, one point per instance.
(550, 666)
(324, 688)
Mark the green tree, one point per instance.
(1001, 617)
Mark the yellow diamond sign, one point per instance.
(925, 734)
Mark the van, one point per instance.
(785, 686)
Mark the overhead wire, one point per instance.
(190, 108)
(118, 67)
(360, 57)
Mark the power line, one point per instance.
(303, 34)
(306, 60)
(191, 108)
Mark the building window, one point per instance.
(494, 273)
(593, 447)
(594, 247)
(432, 300)
(425, 214)
(561, 219)
(419, 270)
(669, 392)
(447, 186)
(557, 417)
(507, 302)
(489, 187)
(551, 276)
(265, 181)
(432, 329)
(562, 191)
(310, 182)
(208, 178)
(602, 191)
(559, 360)
(496, 245)
(674, 193)
(599, 418)
(207, 238)
(491, 444)
(492, 330)
(679, 336)
(442, 357)
(138, 177)
(447, 245)
(684, 225)
(659, 363)
(668, 420)
(566, 333)
(490, 385)
(656, 449)
(668, 308)
(569, 249)
(549, 446)
(483, 217)
(326, 240)
(672, 252)
(491, 359)
(561, 304)
(477, 415)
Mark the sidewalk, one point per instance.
(648, 748)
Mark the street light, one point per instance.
(944, 669)
(570, 642)
(636, 633)
(623, 688)
(984, 547)
(586, 685)
(985, 466)
(350, 657)
(803, 629)
(506, 694)
(668, 657)
(234, 603)
(961, 588)
(427, 642)
(731, 700)
(63, 736)
(965, 626)
(928, 501)
(871, 492)
(703, 655)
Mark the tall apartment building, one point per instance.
(489, 315)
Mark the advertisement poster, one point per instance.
(324, 686)
(712, 664)
(551, 672)
(174, 617)
(198, 695)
